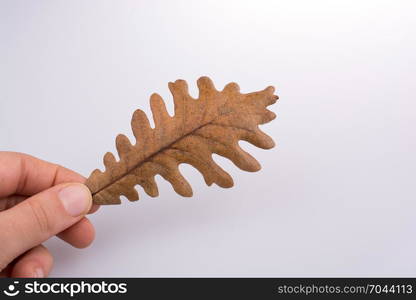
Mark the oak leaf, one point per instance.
(213, 123)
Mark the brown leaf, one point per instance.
(213, 123)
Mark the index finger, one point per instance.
(26, 175)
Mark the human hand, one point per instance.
(38, 200)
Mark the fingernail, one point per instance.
(38, 273)
(76, 199)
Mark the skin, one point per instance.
(31, 213)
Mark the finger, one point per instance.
(26, 175)
(37, 262)
(79, 235)
(10, 201)
(41, 216)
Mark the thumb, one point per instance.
(40, 217)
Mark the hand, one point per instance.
(38, 200)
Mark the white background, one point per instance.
(336, 197)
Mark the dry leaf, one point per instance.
(213, 123)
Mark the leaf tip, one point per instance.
(123, 145)
(232, 86)
(205, 83)
(270, 89)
